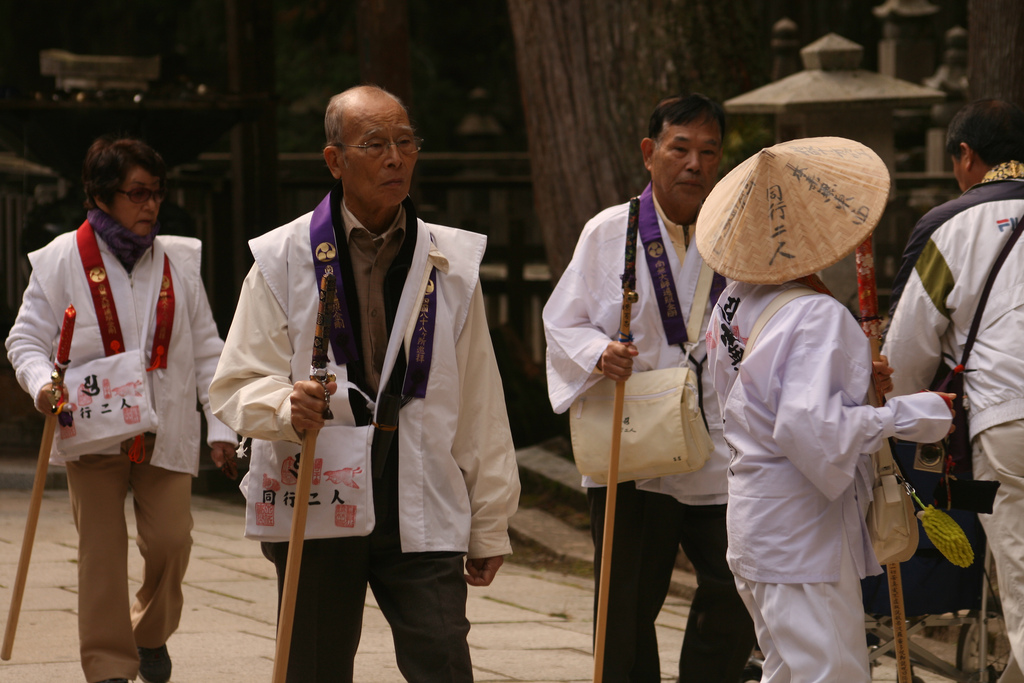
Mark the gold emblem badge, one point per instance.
(165, 284)
(97, 274)
(325, 252)
(655, 249)
(430, 286)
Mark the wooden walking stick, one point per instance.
(317, 373)
(629, 297)
(39, 483)
(871, 324)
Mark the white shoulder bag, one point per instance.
(663, 431)
(110, 402)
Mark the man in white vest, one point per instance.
(654, 518)
(415, 470)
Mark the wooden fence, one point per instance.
(483, 192)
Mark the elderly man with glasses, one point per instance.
(415, 468)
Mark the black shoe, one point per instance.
(154, 664)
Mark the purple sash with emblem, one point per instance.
(325, 255)
(421, 348)
(661, 272)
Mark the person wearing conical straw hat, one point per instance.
(654, 517)
(795, 400)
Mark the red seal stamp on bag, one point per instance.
(264, 514)
(345, 516)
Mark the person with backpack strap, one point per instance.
(795, 407)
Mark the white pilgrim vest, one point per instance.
(434, 508)
(172, 391)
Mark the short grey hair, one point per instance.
(336, 109)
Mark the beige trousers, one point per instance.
(998, 453)
(109, 628)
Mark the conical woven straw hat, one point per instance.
(792, 209)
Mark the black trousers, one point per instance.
(422, 596)
(649, 530)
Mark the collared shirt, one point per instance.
(677, 232)
(583, 313)
(371, 256)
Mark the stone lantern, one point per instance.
(907, 47)
(785, 48)
(950, 78)
(834, 96)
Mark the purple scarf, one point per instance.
(125, 244)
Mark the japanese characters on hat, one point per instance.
(792, 209)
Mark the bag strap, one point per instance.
(976, 323)
(700, 302)
(705, 283)
(771, 309)
(882, 459)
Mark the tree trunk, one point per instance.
(995, 40)
(250, 40)
(591, 72)
(384, 46)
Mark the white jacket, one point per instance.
(58, 279)
(800, 434)
(582, 316)
(458, 479)
(942, 293)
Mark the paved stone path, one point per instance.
(530, 625)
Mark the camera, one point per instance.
(929, 457)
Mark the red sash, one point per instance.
(106, 312)
(102, 297)
(164, 320)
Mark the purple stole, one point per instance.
(421, 347)
(343, 343)
(661, 273)
(325, 256)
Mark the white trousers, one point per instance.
(810, 632)
(998, 453)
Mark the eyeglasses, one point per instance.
(141, 195)
(407, 145)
